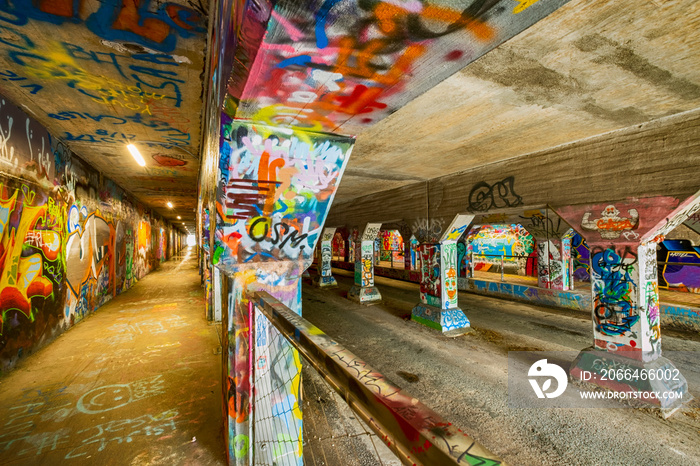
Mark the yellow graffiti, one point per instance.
(56, 63)
(523, 5)
(296, 385)
(21, 278)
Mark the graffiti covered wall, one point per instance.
(489, 243)
(392, 246)
(685, 276)
(69, 240)
(581, 256)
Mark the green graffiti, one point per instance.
(217, 254)
(240, 445)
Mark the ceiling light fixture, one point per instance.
(179, 218)
(170, 205)
(136, 155)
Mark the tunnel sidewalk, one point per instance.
(138, 382)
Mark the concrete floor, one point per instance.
(465, 378)
(136, 383)
(333, 435)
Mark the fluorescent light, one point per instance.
(136, 154)
(170, 204)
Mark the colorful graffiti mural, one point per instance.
(430, 284)
(32, 265)
(318, 67)
(492, 243)
(686, 275)
(90, 256)
(610, 225)
(67, 237)
(448, 259)
(614, 282)
(339, 248)
(581, 257)
(272, 186)
(392, 247)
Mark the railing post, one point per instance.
(503, 256)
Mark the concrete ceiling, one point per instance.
(97, 79)
(588, 68)
(102, 74)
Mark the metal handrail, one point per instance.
(417, 434)
(497, 255)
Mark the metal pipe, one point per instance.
(693, 264)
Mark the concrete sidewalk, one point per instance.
(138, 382)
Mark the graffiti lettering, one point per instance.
(279, 230)
(614, 290)
(244, 199)
(484, 197)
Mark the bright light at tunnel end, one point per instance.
(136, 155)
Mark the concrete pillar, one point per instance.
(271, 204)
(438, 307)
(409, 253)
(364, 291)
(553, 263)
(553, 247)
(622, 237)
(568, 259)
(325, 277)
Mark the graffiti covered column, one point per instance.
(622, 238)
(364, 291)
(554, 263)
(553, 247)
(274, 191)
(438, 307)
(325, 276)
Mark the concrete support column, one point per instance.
(325, 277)
(624, 283)
(438, 307)
(553, 247)
(553, 263)
(271, 204)
(364, 291)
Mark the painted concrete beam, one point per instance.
(653, 159)
(340, 66)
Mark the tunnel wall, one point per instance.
(70, 239)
